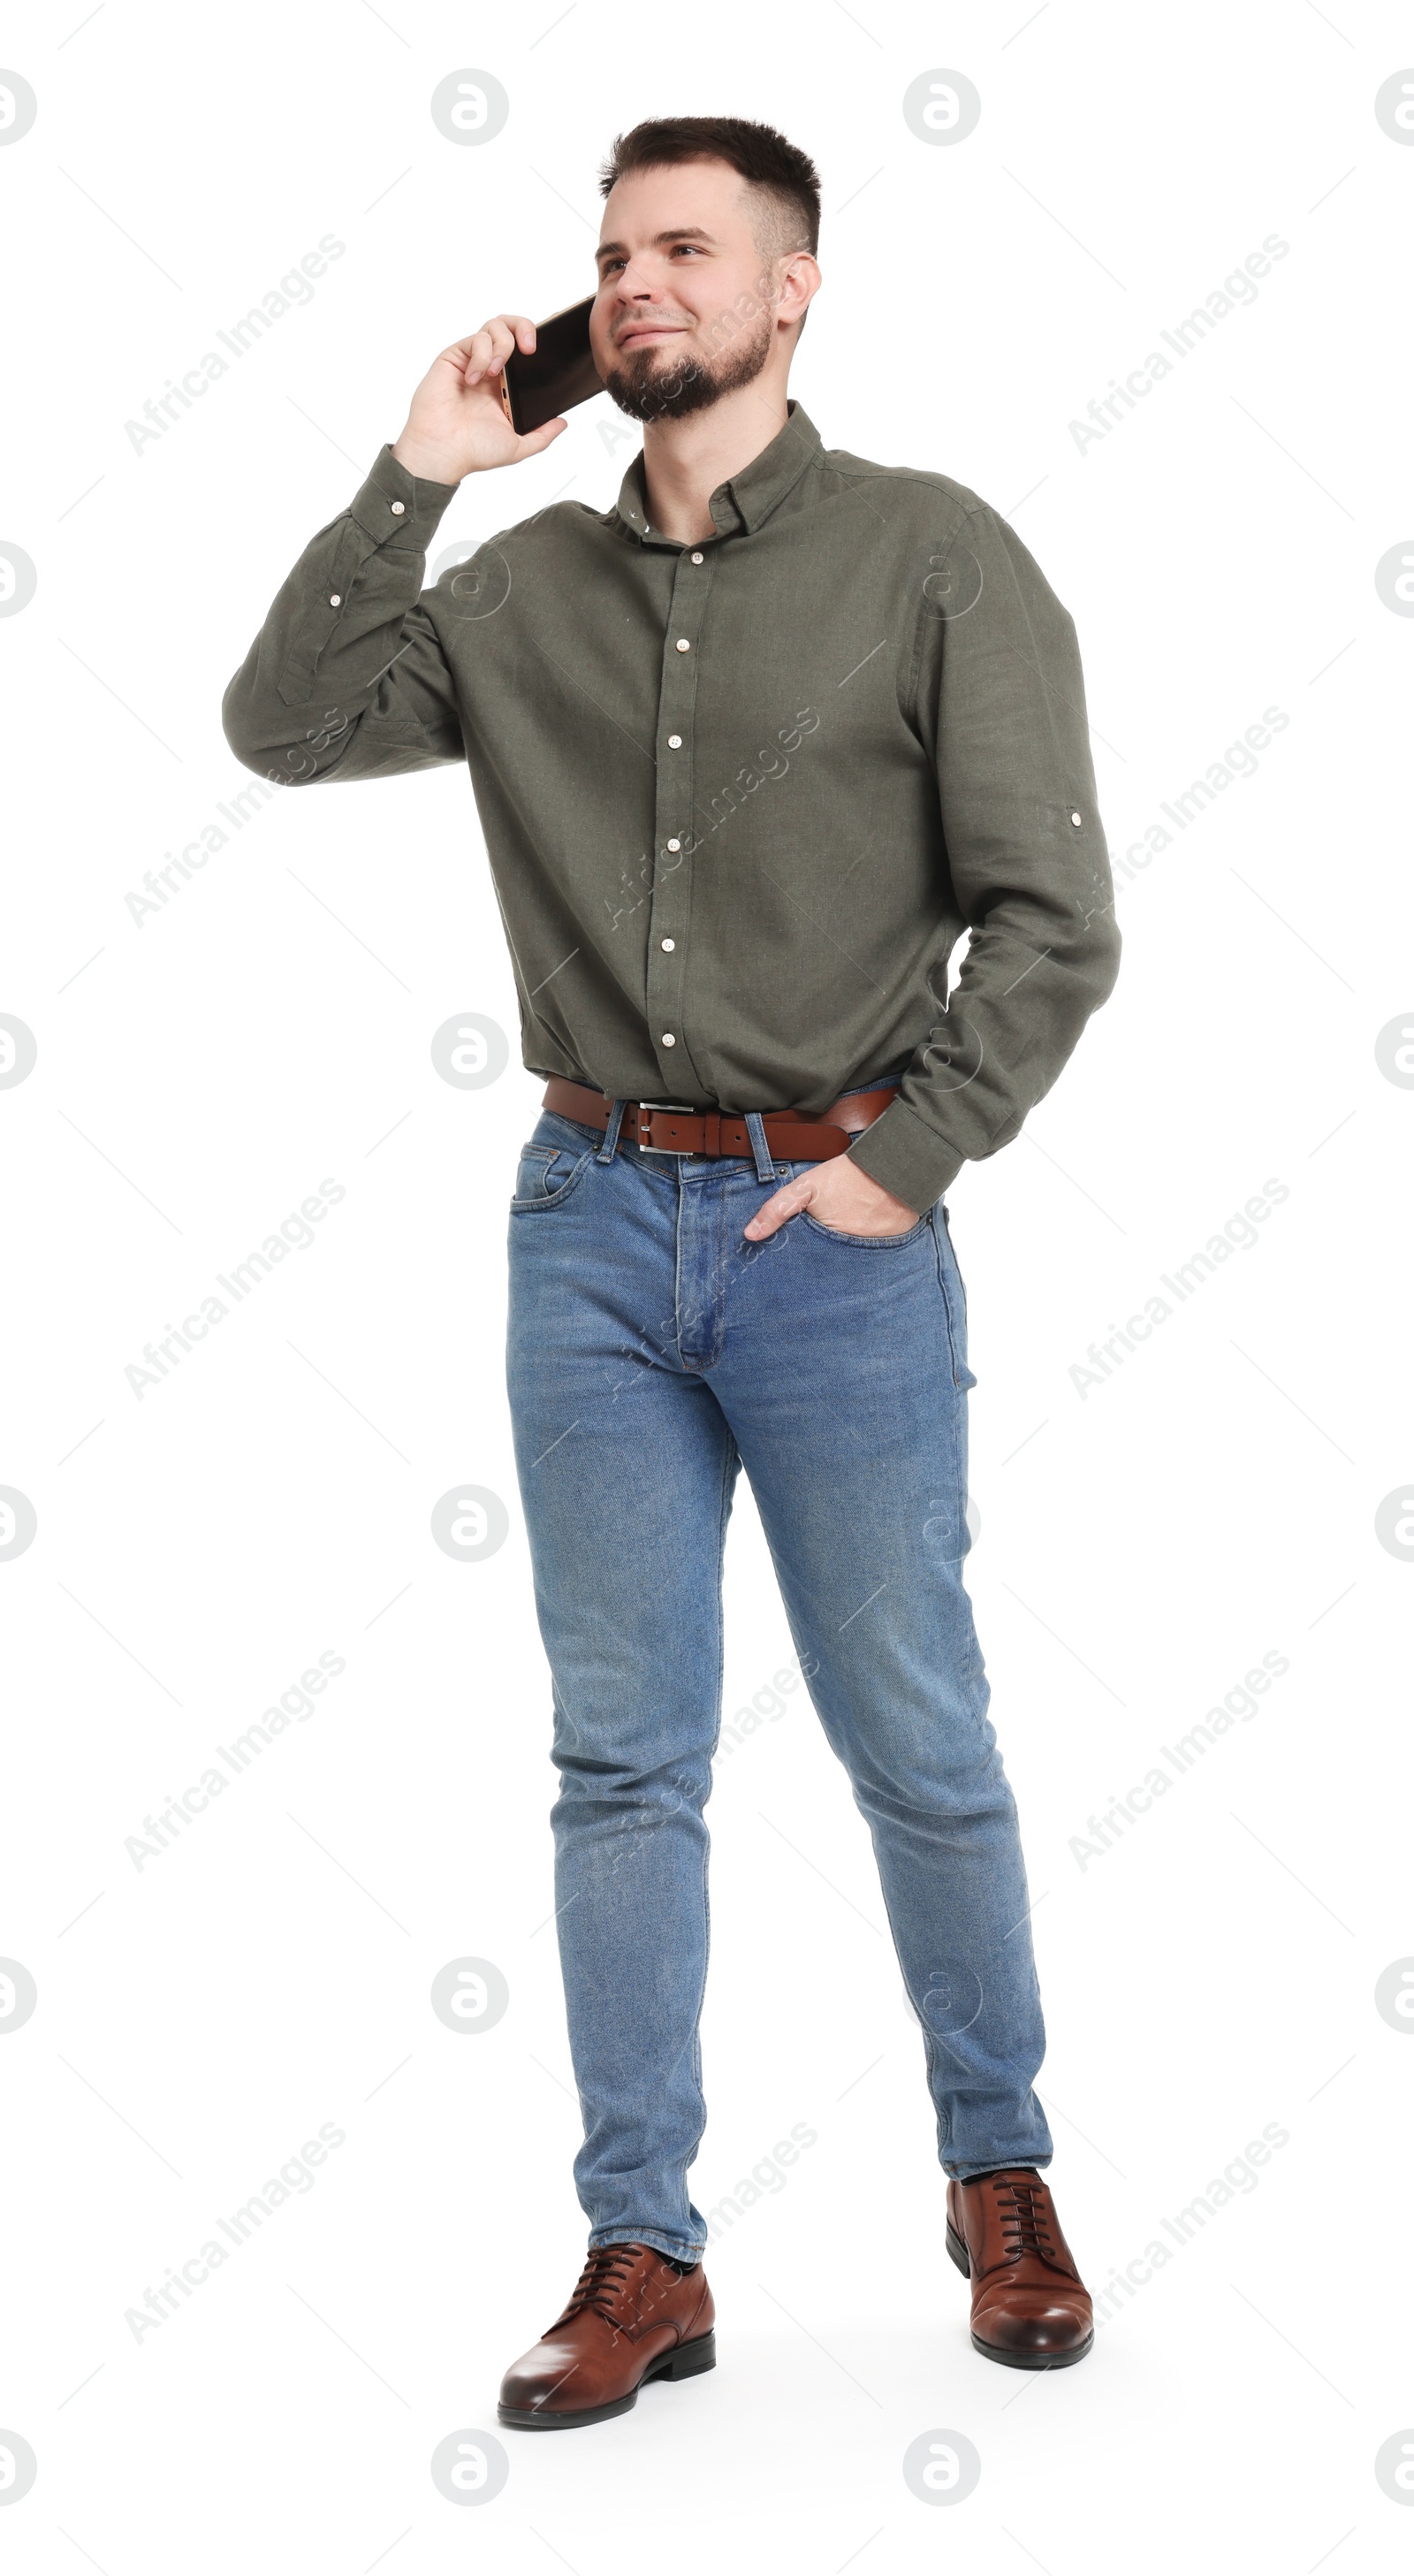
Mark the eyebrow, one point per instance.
(675, 232)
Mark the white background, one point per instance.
(1140, 1548)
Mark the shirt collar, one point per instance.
(745, 500)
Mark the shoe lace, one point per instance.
(600, 2282)
(1024, 2211)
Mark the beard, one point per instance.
(652, 384)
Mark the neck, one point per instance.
(685, 460)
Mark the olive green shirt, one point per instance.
(742, 798)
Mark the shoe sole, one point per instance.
(684, 2362)
(994, 2351)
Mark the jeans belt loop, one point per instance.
(610, 1146)
(755, 1128)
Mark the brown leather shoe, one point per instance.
(632, 2318)
(1030, 2307)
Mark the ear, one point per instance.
(800, 281)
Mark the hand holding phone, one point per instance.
(459, 423)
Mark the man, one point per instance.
(751, 751)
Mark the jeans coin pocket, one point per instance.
(545, 1175)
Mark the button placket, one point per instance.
(672, 861)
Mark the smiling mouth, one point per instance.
(650, 331)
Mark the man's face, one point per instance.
(686, 308)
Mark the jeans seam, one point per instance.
(724, 1504)
(730, 1453)
(947, 1301)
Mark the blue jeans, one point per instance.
(653, 1352)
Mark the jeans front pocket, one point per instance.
(866, 1242)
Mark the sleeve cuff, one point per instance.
(906, 1158)
(398, 508)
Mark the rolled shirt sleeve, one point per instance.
(999, 695)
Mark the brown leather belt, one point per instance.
(792, 1135)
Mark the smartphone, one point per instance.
(559, 372)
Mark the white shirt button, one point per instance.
(670, 943)
(1075, 818)
(675, 845)
(397, 508)
(335, 599)
(675, 742)
(697, 559)
(668, 1038)
(683, 644)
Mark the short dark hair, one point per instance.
(763, 157)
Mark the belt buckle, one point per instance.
(647, 1107)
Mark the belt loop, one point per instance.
(755, 1128)
(610, 1146)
